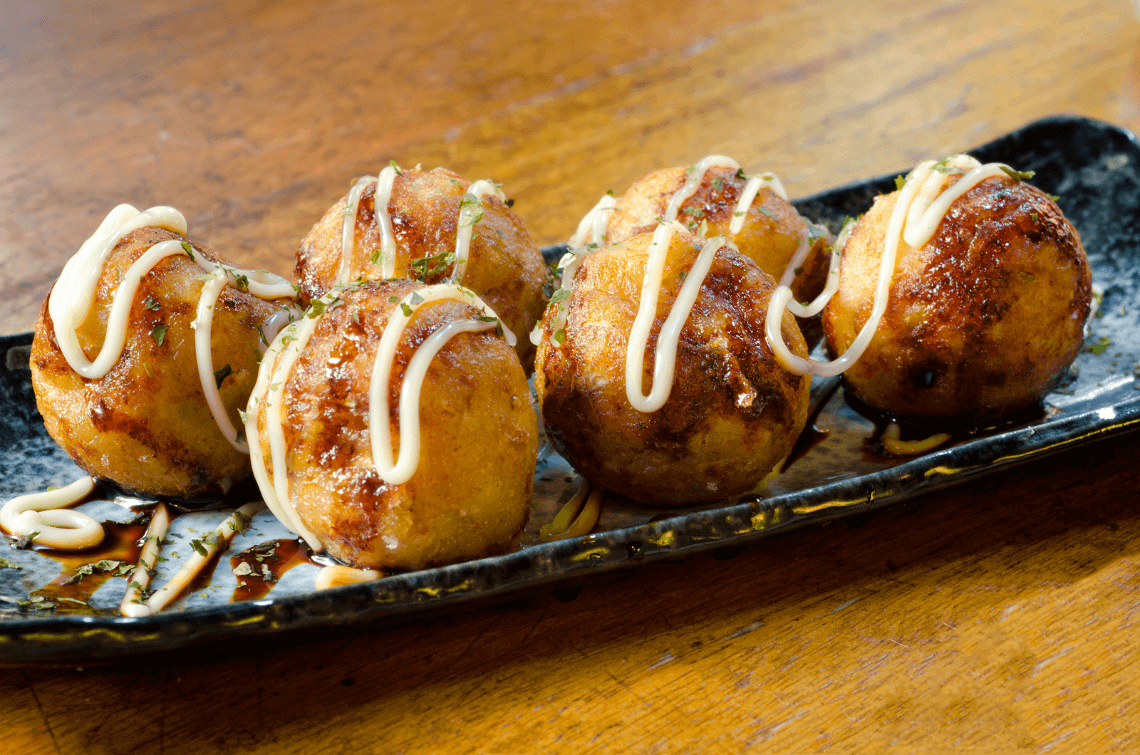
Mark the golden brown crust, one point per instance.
(146, 425)
(471, 493)
(980, 321)
(505, 266)
(733, 412)
(772, 229)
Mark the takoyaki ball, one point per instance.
(980, 321)
(146, 425)
(505, 267)
(471, 492)
(733, 412)
(771, 234)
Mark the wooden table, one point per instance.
(1010, 625)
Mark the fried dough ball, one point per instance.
(980, 321)
(470, 495)
(505, 267)
(733, 412)
(772, 228)
(146, 425)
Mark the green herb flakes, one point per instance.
(470, 210)
(24, 542)
(1017, 175)
(1100, 345)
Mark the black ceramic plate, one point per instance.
(1091, 166)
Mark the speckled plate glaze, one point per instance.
(1093, 167)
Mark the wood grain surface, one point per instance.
(998, 617)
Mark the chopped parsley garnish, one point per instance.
(158, 333)
(900, 181)
(1018, 175)
(395, 167)
(435, 264)
(1100, 345)
(510, 202)
(241, 521)
(406, 309)
(316, 309)
(37, 603)
(6, 564)
(25, 541)
(188, 249)
(120, 569)
(474, 210)
(151, 303)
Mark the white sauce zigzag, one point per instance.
(593, 226)
(916, 216)
(69, 304)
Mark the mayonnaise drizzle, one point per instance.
(73, 295)
(469, 214)
(697, 175)
(211, 543)
(70, 300)
(276, 366)
(590, 234)
(592, 227)
(380, 199)
(132, 603)
(916, 216)
(46, 515)
(398, 472)
(665, 360)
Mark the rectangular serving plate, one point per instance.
(1093, 167)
